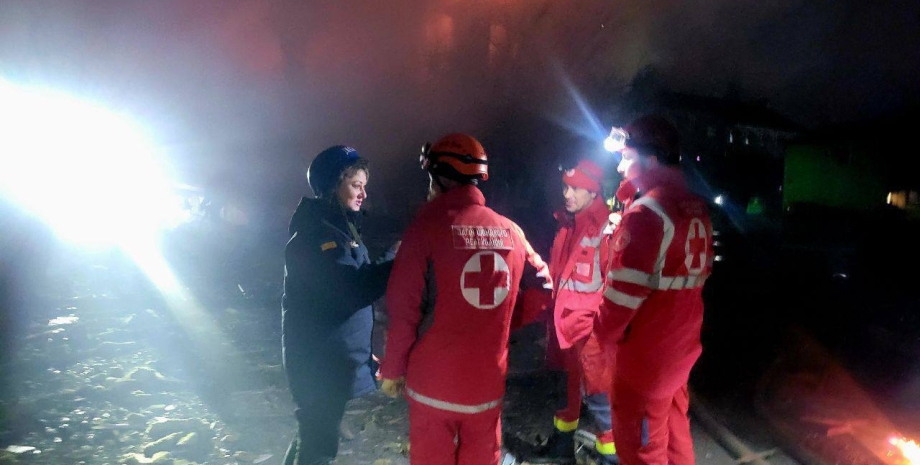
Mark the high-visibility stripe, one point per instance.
(629, 275)
(681, 282)
(632, 276)
(565, 426)
(668, 225)
(597, 279)
(623, 299)
(589, 241)
(450, 406)
(577, 286)
(605, 448)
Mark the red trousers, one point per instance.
(587, 368)
(439, 437)
(652, 431)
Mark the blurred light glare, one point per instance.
(616, 141)
(719, 200)
(908, 448)
(88, 172)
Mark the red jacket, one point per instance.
(450, 298)
(578, 262)
(661, 256)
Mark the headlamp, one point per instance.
(423, 160)
(616, 141)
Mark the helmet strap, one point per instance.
(437, 180)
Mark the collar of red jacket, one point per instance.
(595, 214)
(458, 197)
(657, 177)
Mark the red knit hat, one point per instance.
(586, 175)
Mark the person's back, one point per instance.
(475, 265)
(679, 231)
(653, 309)
(450, 299)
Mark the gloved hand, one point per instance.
(547, 279)
(394, 387)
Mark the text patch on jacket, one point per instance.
(481, 238)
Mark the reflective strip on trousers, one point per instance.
(565, 426)
(450, 406)
(605, 448)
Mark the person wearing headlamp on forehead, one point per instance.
(652, 313)
(578, 259)
(450, 301)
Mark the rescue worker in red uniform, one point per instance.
(578, 261)
(450, 298)
(661, 255)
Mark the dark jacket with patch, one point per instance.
(329, 286)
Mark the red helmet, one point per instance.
(456, 156)
(655, 135)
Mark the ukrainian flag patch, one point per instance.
(328, 246)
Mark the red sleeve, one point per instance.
(534, 258)
(532, 305)
(405, 291)
(635, 249)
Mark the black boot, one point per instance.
(559, 449)
(611, 459)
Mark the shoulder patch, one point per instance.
(328, 246)
(621, 241)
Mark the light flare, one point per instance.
(88, 172)
(908, 448)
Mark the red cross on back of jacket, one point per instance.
(450, 298)
(661, 255)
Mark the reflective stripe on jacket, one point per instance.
(578, 262)
(661, 255)
(465, 262)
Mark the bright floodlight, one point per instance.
(616, 141)
(89, 173)
(719, 200)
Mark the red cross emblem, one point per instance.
(485, 280)
(696, 247)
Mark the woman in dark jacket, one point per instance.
(329, 286)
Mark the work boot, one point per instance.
(604, 450)
(559, 449)
(611, 459)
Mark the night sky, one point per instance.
(231, 84)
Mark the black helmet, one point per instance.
(325, 170)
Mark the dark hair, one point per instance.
(655, 135)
